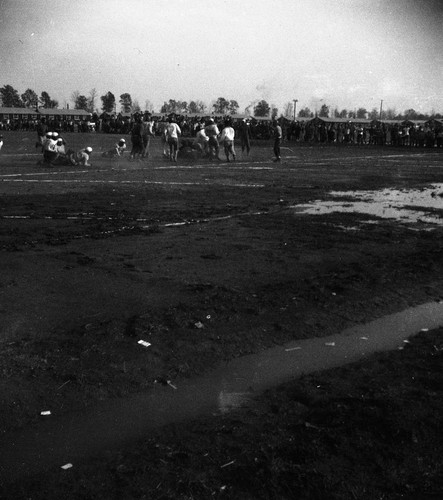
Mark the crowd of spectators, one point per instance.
(426, 134)
(316, 130)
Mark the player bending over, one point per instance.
(81, 158)
(117, 150)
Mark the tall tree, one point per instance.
(30, 98)
(173, 106)
(197, 107)
(108, 102)
(233, 107)
(249, 107)
(166, 106)
(411, 114)
(193, 107)
(274, 111)
(361, 113)
(262, 108)
(373, 114)
(74, 96)
(10, 97)
(183, 107)
(136, 106)
(169, 107)
(91, 100)
(305, 113)
(391, 114)
(221, 106)
(47, 102)
(81, 103)
(324, 111)
(126, 102)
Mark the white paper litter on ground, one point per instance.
(143, 343)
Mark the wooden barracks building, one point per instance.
(10, 116)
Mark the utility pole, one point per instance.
(381, 108)
(295, 107)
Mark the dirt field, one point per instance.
(208, 262)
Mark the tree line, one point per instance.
(359, 113)
(10, 97)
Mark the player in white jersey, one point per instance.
(172, 134)
(212, 131)
(227, 139)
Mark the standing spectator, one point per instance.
(227, 138)
(136, 139)
(405, 135)
(42, 130)
(278, 134)
(348, 133)
(245, 136)
(212, 131)
(360, 135)
(172, 133)
(147, 133)
(161, 127)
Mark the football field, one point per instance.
(202, 262)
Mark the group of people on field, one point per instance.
(206, 142)
(55, 152)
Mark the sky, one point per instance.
(346, 54)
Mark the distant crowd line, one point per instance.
(314, 130)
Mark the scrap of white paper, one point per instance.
(143, 343)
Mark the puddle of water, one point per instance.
(72, 438)
(387, 204)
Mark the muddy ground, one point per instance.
(208, 262)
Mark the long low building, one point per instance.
(30, 114)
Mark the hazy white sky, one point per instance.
(345, 53)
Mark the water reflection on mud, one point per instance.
(116, 423)
(405, 205)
